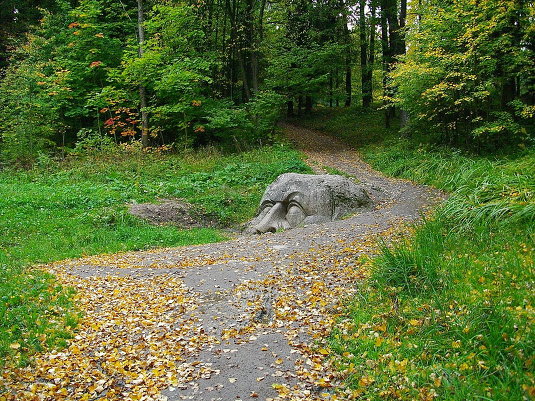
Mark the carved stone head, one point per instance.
(294, 200)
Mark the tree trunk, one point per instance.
(402, 21)
(257, 42)
(308, 104)
(404, 118)
(331, 89)
(394, 34)
(365, 76)
(348, 62)
(371, 51)
(348, 81)
(142, 90)
(386, 58)
(393, 40)
(290, 105)
(245, 79)
(337, 86)
(249, 51)
(509, 91)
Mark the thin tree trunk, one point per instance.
(394, 34)
(365, 83)
(225, 73)
(371, 50)
(337, 85)
(308, 104)
(331, 89)
(142, 90)
(349, 88)
(245, 80)
(255, 54)
(402, 20)
(290, 106)
(248, 51)
(404, 116)
(231, 45)
(386, 58)
(348, 65)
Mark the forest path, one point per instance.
(238, 320)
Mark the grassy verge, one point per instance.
(79, 207)
(447, 313)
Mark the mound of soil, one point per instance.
(170, 211)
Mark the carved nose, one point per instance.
(274, 220)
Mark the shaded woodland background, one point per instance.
(91, 73)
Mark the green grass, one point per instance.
(353, 125)
(447, 312)
(412, 264)
(79, 207)
(335, 171)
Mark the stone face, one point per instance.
(294, 200)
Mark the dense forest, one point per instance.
(91, 73)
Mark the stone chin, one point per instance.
(295, 200)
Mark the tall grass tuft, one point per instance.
(412, 264)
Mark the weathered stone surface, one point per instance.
(294, 200)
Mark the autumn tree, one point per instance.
(49, 89)
(469, 73)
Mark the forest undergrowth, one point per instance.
(447, 312)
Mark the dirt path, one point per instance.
(238, 320)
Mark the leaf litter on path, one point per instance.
(245, 319)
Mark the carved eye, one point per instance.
(295, 214)
(265, 208)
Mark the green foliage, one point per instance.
(46, 91)
(177, 68)
(17, 17)
(303, 71)
(469, 66)
(174, 68)
(79, 207)
(307, 52)
(29, 121)
(81, 70)
(91, 142)
(220, 73)
(264, 110)
(470, 338)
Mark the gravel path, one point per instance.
(239, 320)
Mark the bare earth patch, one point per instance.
(170, 211)
(241, 320)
